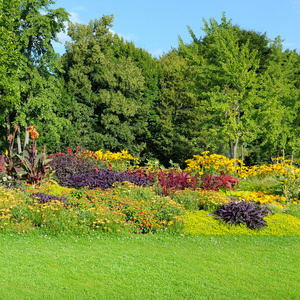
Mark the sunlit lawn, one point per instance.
(149, 267)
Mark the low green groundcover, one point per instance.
(203, 223)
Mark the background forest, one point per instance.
(233, 92)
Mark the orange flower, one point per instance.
(34, 133)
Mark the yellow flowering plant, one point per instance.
(213, 163)
(116, 161)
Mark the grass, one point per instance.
(148, 267)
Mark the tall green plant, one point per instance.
(35, 166)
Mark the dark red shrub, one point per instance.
(172, 180)
(215, 182)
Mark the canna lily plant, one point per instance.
(35, 166)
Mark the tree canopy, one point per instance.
(233, 92)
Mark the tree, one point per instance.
(35, 26)
(279, 114)
(10, 62)
(109, 86)
(179, 111)
(226, 81)
(151, 71)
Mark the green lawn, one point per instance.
(149, 267)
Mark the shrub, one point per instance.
(215, 182)
(70, 164)
(236, 213)
(171, 180)
(103, 179)
(143, 173)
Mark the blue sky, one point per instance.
(155, 25)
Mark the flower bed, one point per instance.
(109, 192)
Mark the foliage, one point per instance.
(151, 71)
(69, 164)
(251, 183)
(10, 58)
(103, 179)
(202, 223)
(108, 89)
(43, 198)
(35, 167)
(2, 163)
(34, 75)
(126, 209)
(236, 213)
(288, 184)
(200, 199)
(179, 110)
(294, 210)
(216, 182)
(10, 182)
(10, 162)
(173, 179)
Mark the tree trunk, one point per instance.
(235, 146)
(242, 152)
(26, 141)
(19, 141)
(292, 157)
(230, 149)
(7, 124)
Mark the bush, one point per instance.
(236, 213)
(70, 164)
(103, 179)
(215, 182)
(171, 180)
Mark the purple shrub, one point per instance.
(236, 213)
(66, 164)
(43, 198)
(103, 179)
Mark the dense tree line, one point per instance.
(232, 92)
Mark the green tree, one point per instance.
(151, 71)
(179, 111)
(10, 63)
(279, 114)
(109, 86)
(35, 26)
(227, 81)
